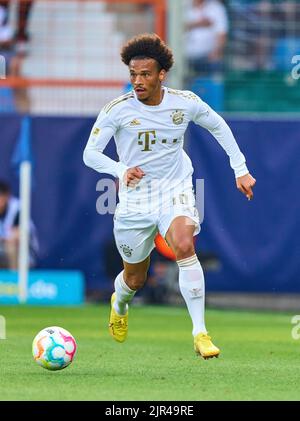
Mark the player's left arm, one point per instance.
(216, 125)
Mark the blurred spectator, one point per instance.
(9, 230)
(6, 35)
(206, 34)
(13, 47)
(21, 35)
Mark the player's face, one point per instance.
(146, 79)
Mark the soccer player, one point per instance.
(156, 192)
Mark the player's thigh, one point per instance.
(180, 227)
(179, 222)
(176, 223)
(134, 241)
(180, 234)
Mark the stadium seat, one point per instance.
(261, 91)
(284, 50)
(7, 103)
(210, 90)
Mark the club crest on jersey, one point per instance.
(135, 122)
(177, 117)
(126, 250)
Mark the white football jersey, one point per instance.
(152, 138)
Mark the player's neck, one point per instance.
(155, 99)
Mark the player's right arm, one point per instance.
(103, 130)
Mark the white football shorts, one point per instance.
(134, 232)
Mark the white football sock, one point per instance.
(124, 295)
(191, 284)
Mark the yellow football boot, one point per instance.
(204, 346)
(118, 325)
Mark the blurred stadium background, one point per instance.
(67, 66)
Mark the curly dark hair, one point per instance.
(148, 46)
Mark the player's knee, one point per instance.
(184, 248)
(135, 281)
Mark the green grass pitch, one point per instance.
(259, 359)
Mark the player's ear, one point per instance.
(162, 75)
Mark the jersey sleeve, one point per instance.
(206, 117)
(93, 156)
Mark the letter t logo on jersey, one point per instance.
(146, 139)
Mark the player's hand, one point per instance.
(133, 176)
(245, 184)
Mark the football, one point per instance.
(54, 348)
